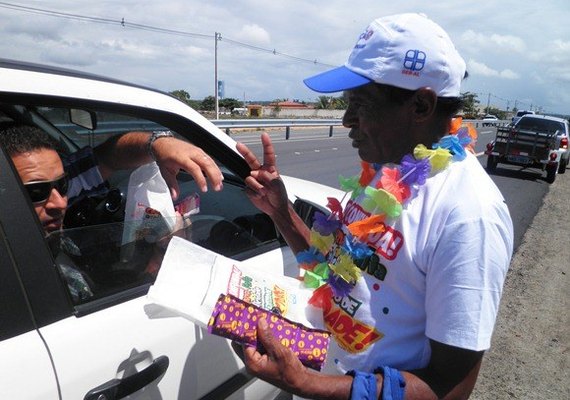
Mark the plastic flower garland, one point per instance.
(387, 199)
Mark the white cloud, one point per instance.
(495, 42)
(479, 68)
(254, 33)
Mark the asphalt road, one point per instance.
(311, 154)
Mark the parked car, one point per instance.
(109, 346)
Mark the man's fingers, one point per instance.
(249, 156)
(268, 151)
(210, 168)
(171, 182)
(254, 185)
(266, 338)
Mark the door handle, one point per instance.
(120, 388)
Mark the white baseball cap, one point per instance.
(408, 51)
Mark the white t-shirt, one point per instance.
(439, 275)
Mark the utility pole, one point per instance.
(488, 103)
(217, 36)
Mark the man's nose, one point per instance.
(349, 118)
(56, 200)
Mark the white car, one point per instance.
(490, 120)
(519, 114)
(110, 346)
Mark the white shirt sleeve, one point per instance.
(465, 276)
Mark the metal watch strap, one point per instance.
(156, 135)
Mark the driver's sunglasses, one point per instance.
(40, 191)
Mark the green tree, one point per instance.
(184, 96)
(470, 105)
(339, 103)
(331, 103)
(181, 95)
(324, 102)
(497, 113)
(208, 104)
(229, 103)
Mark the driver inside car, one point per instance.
(51, 181)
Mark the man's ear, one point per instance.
(424, 103)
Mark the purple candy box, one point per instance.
(236, 319)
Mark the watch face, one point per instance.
(155, 135)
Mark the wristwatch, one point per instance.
(156, 135)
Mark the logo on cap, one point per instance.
(363, 36)
(413, 62)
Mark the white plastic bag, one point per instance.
(191, 279)
(149, 211)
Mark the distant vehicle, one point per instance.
(490, 120)
(535, 141)
(519, 114)
(239, 111)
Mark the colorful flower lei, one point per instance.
(386, 199)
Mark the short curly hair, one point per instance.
(19, 139)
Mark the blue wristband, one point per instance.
(363, 386)
(394, 386)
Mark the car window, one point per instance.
(94, 260)
(538, 124)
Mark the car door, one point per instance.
(23, 353)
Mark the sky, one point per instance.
(517, 52)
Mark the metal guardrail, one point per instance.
(228, 124)
(113, 127)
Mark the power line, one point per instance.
(122, 22)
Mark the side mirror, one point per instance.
(83, 118)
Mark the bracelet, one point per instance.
(156, 135)
(363, 386)
(394, 385)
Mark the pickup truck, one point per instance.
(534, 141)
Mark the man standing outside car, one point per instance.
(423, 211)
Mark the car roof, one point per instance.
(547, 117)
(28, 66)
(19, 77)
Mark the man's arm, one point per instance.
(131, 150)
(450, 374)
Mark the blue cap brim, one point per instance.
(335, 80)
